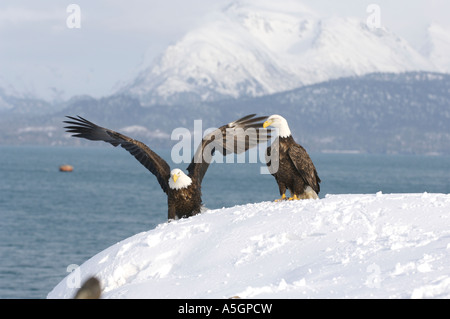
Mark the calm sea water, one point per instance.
(50, 220)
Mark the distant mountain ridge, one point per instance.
(376, 113)
(252, 50)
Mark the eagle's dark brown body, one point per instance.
(295, 170)
(184, 202)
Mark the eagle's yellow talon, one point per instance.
(293, 197)
(283, 197)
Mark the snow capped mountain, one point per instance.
(221, 59)
(437, 48)
(6, 91)
(254, 49)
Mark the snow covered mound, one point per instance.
(341, 246)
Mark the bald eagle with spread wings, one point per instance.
(183, 191)
(290, 164)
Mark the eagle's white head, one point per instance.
(178, 179)
(279, 122)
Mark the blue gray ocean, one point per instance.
(50, 220)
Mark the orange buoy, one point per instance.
(66, 168)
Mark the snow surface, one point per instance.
(341, 246)
(438, 47)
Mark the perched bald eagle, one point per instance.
(290, 164)
(183, 191)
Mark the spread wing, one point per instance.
(304, 166)
(235, 137)
(85, 129)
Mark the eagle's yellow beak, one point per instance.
(267, 123)
(175, 177)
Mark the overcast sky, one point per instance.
(39, 54)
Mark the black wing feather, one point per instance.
(83, 128)
(304, 166)
(237, 130)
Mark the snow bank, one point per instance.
(341, 246)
